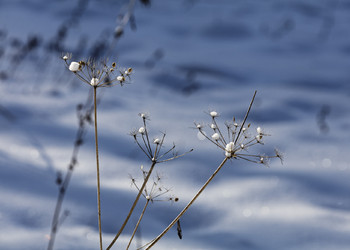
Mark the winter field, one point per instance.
(189, 57)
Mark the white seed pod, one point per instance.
(199, 126)
(213, 114)
(215, 136)
(262, 160)
(156, 141)
(94, 81)
(213, 126)
(142, 130)
(120, 78)
(242, 146)
(230, 147)
(258, 138)
(227, 154)
(259, 130)
(148, 197)
(74, 66)
(65, 57)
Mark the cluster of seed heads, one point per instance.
(237, 140)
(97, 74)
(155, 190)
(152, 148)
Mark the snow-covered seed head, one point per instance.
(213, 114)
(143, 115)
(156, 141)
(227, 154)
(230, 147)
(242, 146)
(259, 130)
(142, 130)
(262, 160)
(215, 136)
(94, 81)
(148, 197)
(128, 71)
(120, 78)
(258, 138)
(213, 126)
(199, 126)
(74, 66)
(65, 57)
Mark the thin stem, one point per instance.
(63, 187)
(98, 172)
(133, 206)
(188, 205)
(245, 118)
(138, 223)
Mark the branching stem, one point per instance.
(133, 205)
(154, 241)
(138, 223)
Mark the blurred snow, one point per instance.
(189, 57)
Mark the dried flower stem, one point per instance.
(98, 171)
(65, 183)
(154, 241)
(138, 223)
(188, 205)
(133, 205)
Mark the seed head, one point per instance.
(142, 130)
(230, 147)
(120, 78)
(74, 66)
(213, 114)
(94, 81)
(215, 136)
(259, 130)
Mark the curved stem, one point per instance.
(98, 172)
(133, 206)
(138, 223)
(154, 241)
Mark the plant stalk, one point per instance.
(133, 205)
(138, 223)
(154, 241)
(97, 171)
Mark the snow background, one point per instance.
(188, 57)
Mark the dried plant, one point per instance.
(84, 117)
(152, 195)
(234, 145)
(154, 152)
(97, 75)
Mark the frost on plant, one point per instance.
(97, 74)
(236, 139)
(152, 147)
